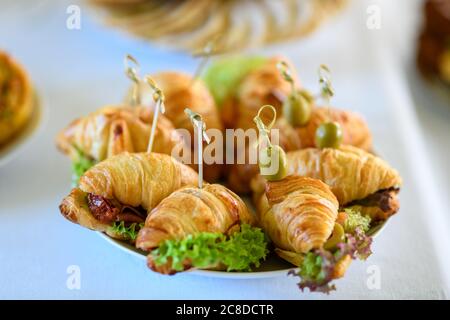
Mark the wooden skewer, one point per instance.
(158, 97)
(200, 126)
(205, 54)
(286, 73)
(132, 72)
(264, 130)
(327, 90)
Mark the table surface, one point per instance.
(76, 71)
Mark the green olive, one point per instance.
(273, 163)
(336, 237)
(297, 108)
(329, 135)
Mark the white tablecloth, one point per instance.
(77, 71)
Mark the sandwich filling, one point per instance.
(109, 210)
(379, 205)
(125, 221)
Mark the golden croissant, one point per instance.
(355, 133)
(189, 211)
(124, 188)
(182, 91)
(354, 128)
(300, 213)
(355, 176)
(262, 86)
(16, 98)
(115, 129)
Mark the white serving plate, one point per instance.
(273, 266)
(19, 142)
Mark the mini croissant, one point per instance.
(300, 213)
(351, 173)
(262, 86)
(113, 130)
(191, 210)
(355, 176)
(355, 133)
(124, 188)
(354, 128)
(182, 91)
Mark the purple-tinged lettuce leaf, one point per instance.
(317, 269)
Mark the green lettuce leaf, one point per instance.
(316, 271)
(358, 245)
(80, 165)
(223, 76)
(356, 220)
(317, 268)
(130, 232)
(239, 252)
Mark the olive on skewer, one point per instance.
(298, 105)
(328, 134)
(271, 158)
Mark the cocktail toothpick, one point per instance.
(158, 97)
(132, 72)
(328, 134)
(286, 73)
(272, 158)
(200, 127)
(205, 54)
(326, 90)
(264, 130)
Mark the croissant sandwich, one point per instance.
(241, 85)
(115, 195)
(354, 128)
(113, 130)
(16, 98)
(300, 215)
(359, 180)
(201, 228)
(181, 91)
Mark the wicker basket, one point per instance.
(237, 24)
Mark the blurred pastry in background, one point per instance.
(190, 24)
(433, 56)
(16, 98)
(181, 90)
(242, 84)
